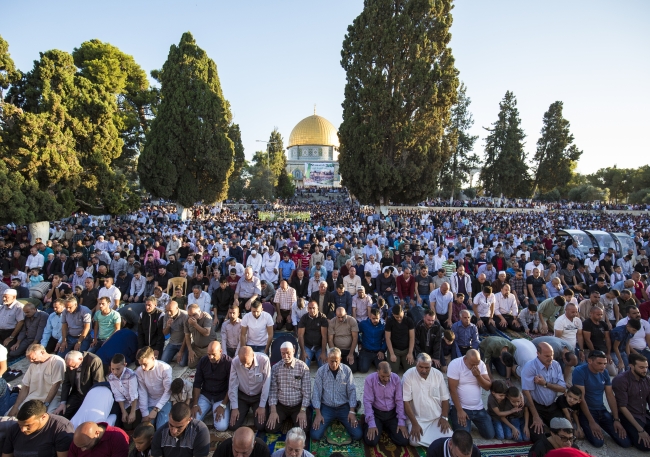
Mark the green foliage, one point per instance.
(278, 159)
(8, 72)
(260, 183)
(553, 195)
(239, 176)
(640, 196)
(470, 192)
(60, 131)
(136, 103)
(505, 170)
(285, 187)
(188, 156)
(455, 172)
(556, 155)
(617, 180)
(401, 85)
(587, 193)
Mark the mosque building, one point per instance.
(313, 152)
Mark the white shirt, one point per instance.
(591, 265)
(113, 294)
(255, 262)
(427, 394)
(469, 390)
(203, 301)
(154, 386)
(484, 304)
(637, 341)
(569, 328)
(526, 351)
(256, 334)
(505, 305)
(35, 261)
(373, 267)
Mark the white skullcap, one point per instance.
(287, 345)
(253, 252)
(502, 273)
(11, 292)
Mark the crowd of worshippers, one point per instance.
(415, 305)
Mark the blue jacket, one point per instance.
(372, 336)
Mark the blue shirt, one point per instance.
(466, 336)
(594, 385)
(372, 336)
(52, 329)
(621, 334)
(286, 268)
(552, 375)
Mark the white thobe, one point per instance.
(270, 263)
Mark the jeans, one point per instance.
(209, 405)
(518, 423)
(85, 344)
(163, 415)
(331, 414)
(390, 299)
(259, 349)
(633, 434)
(7, 400)
(96, 347)
(367, 358)
(313, 353)
(606, 422)
(501, 430)
(170, 352)
(425, 302)
(623, 356)
(480, 418)
(500, 367)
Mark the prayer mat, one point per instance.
(386, 448)
(333, 441)
(275, 441)
(505, 450)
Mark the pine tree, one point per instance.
(505, 170)
(277, 157)
(401, 85)
(8, 72)
(556, 155)
(456, 171)
(285, 187)
(60, 132)
(188, 156)
(237, 180)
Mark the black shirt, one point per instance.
(423, 285)
(212, 378)
(562, 403)
(55, 436)
(537, 285)
(542, 447)
(259, 450)
(597, 334)
(195, 440)
(312, 326)
(163, 280)
(89, 298)
(399, 332)
(437, 449)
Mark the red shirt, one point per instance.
(644, 310)
(114, 443)
(405, 288)
(638, 290)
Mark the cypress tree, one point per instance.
(457, 169)
(505, 170)
(237, 180)
(556, 156)
(277, 157)
(188, 156)
(401, 85)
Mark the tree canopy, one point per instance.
(505, 170)
(188, 155)
(401, 85)
(60, 134)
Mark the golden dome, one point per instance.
(314, 130)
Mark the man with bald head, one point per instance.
(467, 376)
(541, 381)
(99, 440)
(211, 386)
(242, 443)
(249, 384)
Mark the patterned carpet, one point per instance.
(386, 448)
(505, 450)
(334, 440)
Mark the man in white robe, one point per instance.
(255, 262)
(426, 403)
(270, 263)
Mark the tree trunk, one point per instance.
(39, 230)
(183, 213)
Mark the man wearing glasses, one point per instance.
(593, 381)
(561, 436)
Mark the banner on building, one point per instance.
(319, 174)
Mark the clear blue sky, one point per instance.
(276, 59)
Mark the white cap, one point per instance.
(502, 273)
(253, 252)
(287, 345)
(11, 292)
